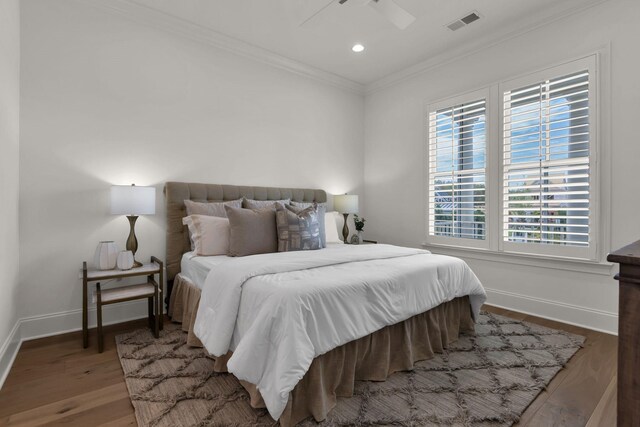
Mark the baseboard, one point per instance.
(30, 328)
(597, 320)
(70, 321)
(9, 351)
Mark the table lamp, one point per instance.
(346, 204)
(132, 201)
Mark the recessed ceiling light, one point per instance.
(357, 48)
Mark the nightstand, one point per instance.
(151, 290)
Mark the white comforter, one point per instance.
(277, 312)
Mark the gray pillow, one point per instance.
(210, 208)
(322, 209)
(252, 231)
(308, 204)
(298, 229)
(262, 204)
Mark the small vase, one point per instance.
(106, 255)
(125, 260)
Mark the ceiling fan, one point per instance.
(387, 8)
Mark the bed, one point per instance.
(299, 328)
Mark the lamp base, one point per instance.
(345, 230)
(132, 240)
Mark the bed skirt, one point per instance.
(333, 374)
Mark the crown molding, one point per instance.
(182, 27)
(551, 14)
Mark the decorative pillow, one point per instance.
(210, 208)
(210, 234)
(307, 204)
(322, 208)
(253, 231)
(298, 229)
(262, 204)
(331, 227)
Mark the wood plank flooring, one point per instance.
(54, 381)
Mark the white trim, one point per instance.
(602, 134)
(9, 351)
(479, 44)
(430, 107)
(546, 262)
(585, 317)
(590, 64)
(182, 27)
(34, 327)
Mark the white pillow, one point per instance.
(210, 234)
(331, 227)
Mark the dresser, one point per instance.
(628, 333)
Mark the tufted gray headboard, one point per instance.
(177, 192)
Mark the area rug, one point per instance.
(484, 379)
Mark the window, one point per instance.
(546, 155)
(457, 162)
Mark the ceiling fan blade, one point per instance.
(394, 13)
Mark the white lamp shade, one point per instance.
(346, 203)
(133, 200)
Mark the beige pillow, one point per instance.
(210, 234)
(263, 204)
(298, 229)
(210, 208)
(253, 231)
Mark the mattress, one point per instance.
(195, 268)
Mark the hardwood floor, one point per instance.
(55, 381)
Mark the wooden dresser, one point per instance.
(628, 334)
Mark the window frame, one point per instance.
(468, 97)
(588, 64)
(493, 245)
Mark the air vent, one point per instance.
(464, 21)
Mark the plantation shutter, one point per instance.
(547, 162)
(457, 156)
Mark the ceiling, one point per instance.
(325, 41)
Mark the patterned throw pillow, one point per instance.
(322, 209)
(298, 229)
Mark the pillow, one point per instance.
(307, 204)
(210, 208)
(298, 229)
(253, 231)
(263, 204)
(322, 208)
(210, 234)
(331, 227)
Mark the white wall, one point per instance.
(394, 139)
(109, 101)
(9, 142)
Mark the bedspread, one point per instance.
(277, 312)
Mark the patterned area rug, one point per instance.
(486, 379)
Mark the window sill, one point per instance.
(570, 264)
